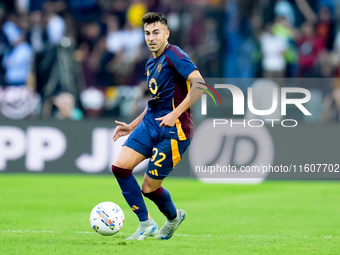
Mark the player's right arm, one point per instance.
(124, 129)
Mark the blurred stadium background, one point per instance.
(84, 59)
(70, 68)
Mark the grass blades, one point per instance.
(49, 214)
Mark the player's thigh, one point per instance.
(165, 156)
(150, 184)
(128, 158)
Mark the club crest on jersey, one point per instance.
(159, 67)
(153, 86)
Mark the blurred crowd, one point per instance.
(74, 59)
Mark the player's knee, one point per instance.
(146, 189)
(120, 172)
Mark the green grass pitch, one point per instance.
(49, 214)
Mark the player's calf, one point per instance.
(162, 198)
(131, 192)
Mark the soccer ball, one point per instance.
(107, 218)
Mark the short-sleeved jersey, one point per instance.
(167, 82)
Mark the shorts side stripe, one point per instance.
(180, 131)
(176, 156)
(188, 85)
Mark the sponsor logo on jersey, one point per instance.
(153, 86)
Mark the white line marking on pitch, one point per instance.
(184, 235)
(29, 231)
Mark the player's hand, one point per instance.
(121, 130)
(168, 120)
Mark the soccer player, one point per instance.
(162, 132)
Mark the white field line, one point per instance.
(183, 235)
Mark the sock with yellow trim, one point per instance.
(162, 198)
(131, 192)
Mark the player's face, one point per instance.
(156, 37)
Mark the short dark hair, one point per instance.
(153, 17)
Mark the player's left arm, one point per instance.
(195, 93)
